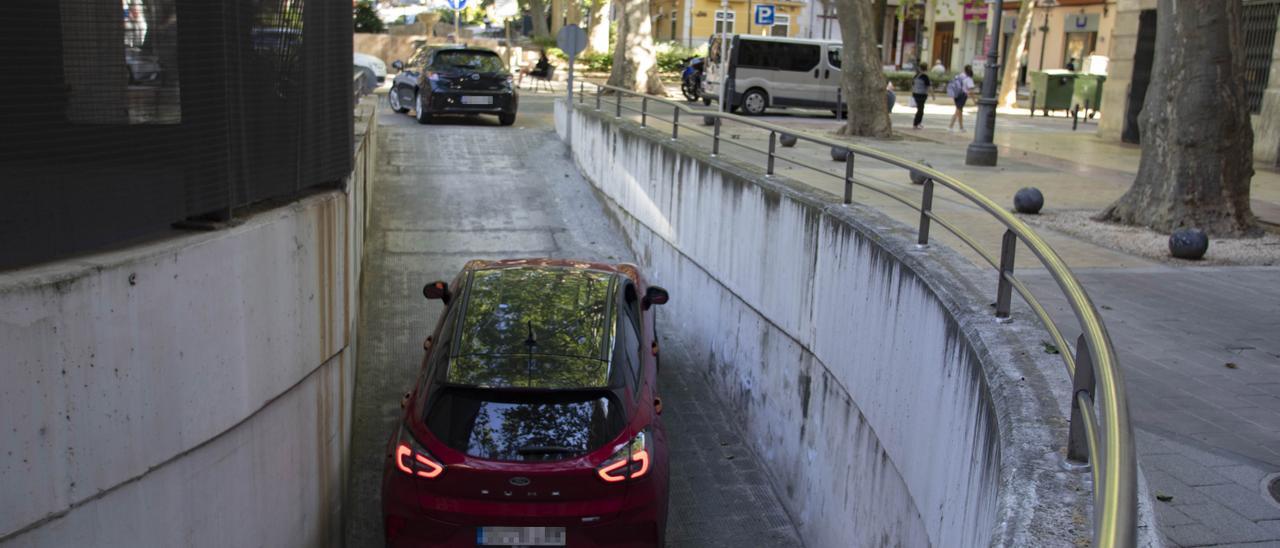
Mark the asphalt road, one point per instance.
(467, 188)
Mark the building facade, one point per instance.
(693, 22)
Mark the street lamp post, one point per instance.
(982, 151)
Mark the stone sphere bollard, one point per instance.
(1188, 243)
(839, 154)
(1028, 200)
(918, 177)
(787, 140)
(708, 120)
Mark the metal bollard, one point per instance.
(644, 111)
(1083, 380)
(675, 123)
(617, 113)
(773, 147)
(848, 178)
(715, 139)
(599, 90)
(926, 206)
(1033, 104)
(1004, 290)
(1075, 117)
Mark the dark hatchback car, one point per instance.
(535, 419)
(454, 80)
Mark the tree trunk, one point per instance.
(557, 16)
(1008, 95)
(598, 27)
(635, 59)
(538, 12)
(1197, 142)
(863, 80)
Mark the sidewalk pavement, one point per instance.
(1199, 346)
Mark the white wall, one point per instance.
(854, 381)
(186, 392)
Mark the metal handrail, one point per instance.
(1104, 438)
(357, 84)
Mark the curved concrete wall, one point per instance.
(859, 374)
(188, 392)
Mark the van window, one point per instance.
(778, 55)
(833, 56)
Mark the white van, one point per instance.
(769, 71)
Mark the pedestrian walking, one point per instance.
(920, 87)
(960, 88)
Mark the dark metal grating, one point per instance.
(1260, 20)
(122, 117)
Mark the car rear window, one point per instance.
(477, 61)
(509, 425)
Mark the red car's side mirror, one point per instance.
(437, 290)
(654, 295)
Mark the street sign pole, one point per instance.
(572, 40)
(724, 53)
(457, 27)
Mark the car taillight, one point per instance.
(630, 461)
(412, 459)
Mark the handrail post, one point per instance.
(644, 110)
(848, 177)
(675, 123)
(599, 92)
(773, 147)
(1083, 380)
(1004, 290)
(926, 206)
(715, 139)
(617, 113)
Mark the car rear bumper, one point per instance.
(412, 517)
(451, 102)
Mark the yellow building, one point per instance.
(693, 22)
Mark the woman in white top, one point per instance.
(959, 89)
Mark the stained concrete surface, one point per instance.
(467, 188)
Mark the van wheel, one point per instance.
(754, 102)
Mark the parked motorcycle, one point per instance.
(691, 78)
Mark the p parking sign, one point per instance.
(764, 14)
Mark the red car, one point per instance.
(535, 419)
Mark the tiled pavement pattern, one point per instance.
(466, 189)
(1208, 434)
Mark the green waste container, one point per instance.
(1088, 92)
(1053, 89)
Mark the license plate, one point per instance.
(477, 100)
(520, 536)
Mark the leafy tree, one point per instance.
(366, 18)
(1197, 141)
(863, 79)
(635, 59)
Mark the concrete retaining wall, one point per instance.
(889, 407)
(187, 392)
